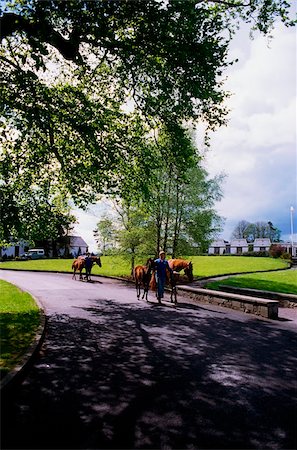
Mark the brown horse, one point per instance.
(79, 264)
(142, 276)
(181, 264)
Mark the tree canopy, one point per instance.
(85, 85)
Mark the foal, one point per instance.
(142, 276)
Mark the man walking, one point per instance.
(160, 274)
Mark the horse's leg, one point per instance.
(137, 285)
(73, 276)
(144, 289)
(144, 292)
(88, 273)
(173, 297)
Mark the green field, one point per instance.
(203, 266)
(19, 320)
(282, 281)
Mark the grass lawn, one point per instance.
(284, 281)
(203, 266)
(19, 320)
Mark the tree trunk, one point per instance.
(167, 214)
(132, 261)
(158, 226)
(175, 234)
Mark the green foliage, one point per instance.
(181, 195)
(71, 71)
(105, 235)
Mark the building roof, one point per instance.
(262, 242)
(218, 243)
(239, 243)
(77, 241)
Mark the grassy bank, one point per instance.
(203, 266)
(19, 320)
(284, 281)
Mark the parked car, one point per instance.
(34, 253)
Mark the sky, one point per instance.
(257, 149)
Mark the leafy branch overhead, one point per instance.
(86, 85)
(167, 54)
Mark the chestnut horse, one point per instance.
(181, 264)
(142, 276)
(79, 264)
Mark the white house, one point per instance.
(74, 245)
(261, 245)
(238, 246)
(65, 246)
(218, 247)
(234, 247)
(14, 250)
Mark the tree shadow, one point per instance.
(135, 376)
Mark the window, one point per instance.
(238, 250)
(217, 250)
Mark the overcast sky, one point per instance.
(257, 149)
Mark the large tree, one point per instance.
(71, 70)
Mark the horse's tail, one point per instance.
(73, 264)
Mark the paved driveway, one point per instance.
(119, 373)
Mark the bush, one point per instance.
(276, 250)
(262, 254)
(286, 255)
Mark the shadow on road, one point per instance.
(134, 376)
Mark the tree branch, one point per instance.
(42, 32)
(228, 3)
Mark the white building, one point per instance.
(14, 250)
(218, 247)
(74, 245)
(261, 245)
(65, 246)
(239, 246)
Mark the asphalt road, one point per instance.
(116, 373)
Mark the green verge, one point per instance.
(283, 281)
(203, 266)
(19, 321)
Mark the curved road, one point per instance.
(119, 373)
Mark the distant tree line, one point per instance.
(251, 231)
